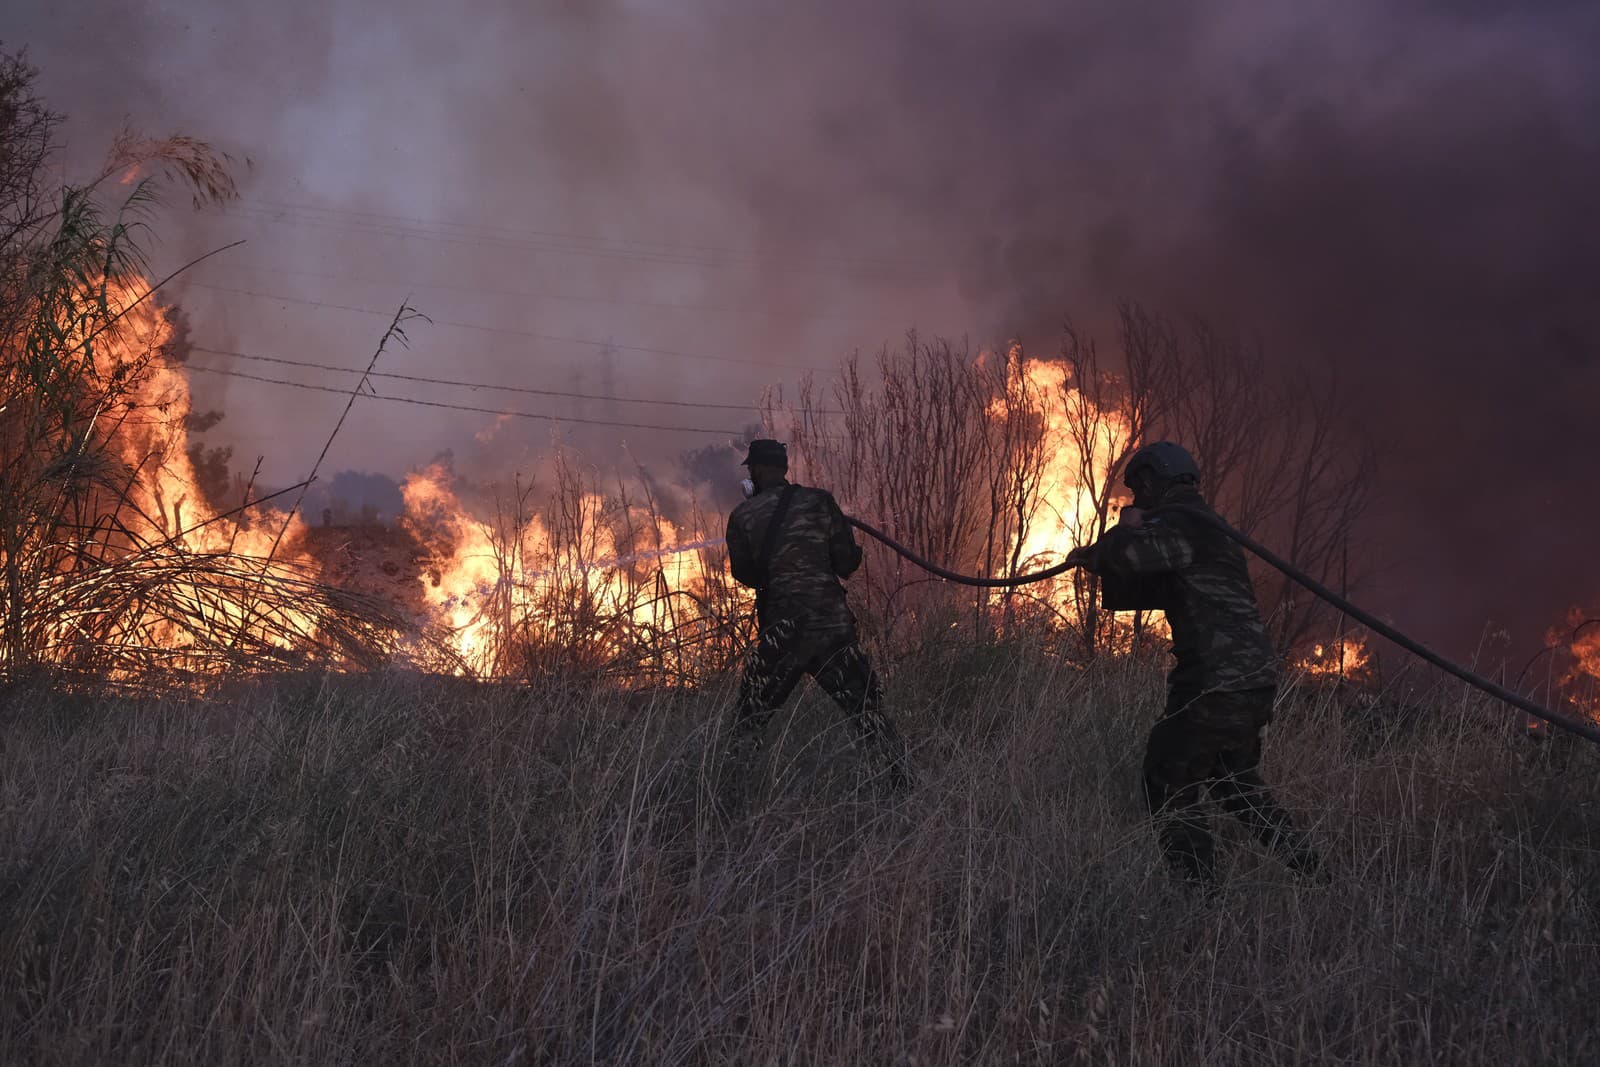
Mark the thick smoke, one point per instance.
(1407, 192)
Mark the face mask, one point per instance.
(1146, 492)
(748, 487)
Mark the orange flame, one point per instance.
(1586, 652)
(1079, 443)
(161, 517)
(495, 587)
(577, 580)
(168, 496)
(1077, 451)
(1344, 657)
(1579, 637)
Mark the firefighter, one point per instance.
(792, 545)
(1225, 675)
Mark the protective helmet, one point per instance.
(1167, 461)
(765, 452)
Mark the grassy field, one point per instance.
(399, 870)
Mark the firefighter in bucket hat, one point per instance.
(792, 545)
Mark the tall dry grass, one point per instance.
(394, 869)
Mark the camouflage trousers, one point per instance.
(1211, 742)
(783, 655)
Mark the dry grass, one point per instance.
(396, 869)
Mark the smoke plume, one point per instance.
(692, 201)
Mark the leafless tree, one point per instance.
(962, 456)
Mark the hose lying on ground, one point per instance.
(1582, 728)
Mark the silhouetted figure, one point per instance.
(792, 545)
(1221, 688)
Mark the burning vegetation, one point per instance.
(118, 565)
(331, 868)
(1585, 646)
(1576, 667)
(122, 561)
(570, 582)
(115, 566)
(997, 464)
(1341, 658)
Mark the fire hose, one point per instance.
(1582, 728)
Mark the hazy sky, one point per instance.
(1411, 191)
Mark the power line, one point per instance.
(528, 390)
(679, 353)
(465, 407)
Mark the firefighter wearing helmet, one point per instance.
(1225, 673)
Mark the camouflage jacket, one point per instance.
(1218, 639)
(814, 550)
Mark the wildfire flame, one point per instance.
(506, 590)
(1579, 637)
(1077, 456)
(154, 440)
(575, 580)
(1586, 651)
(1345, 657)
(131, 564)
